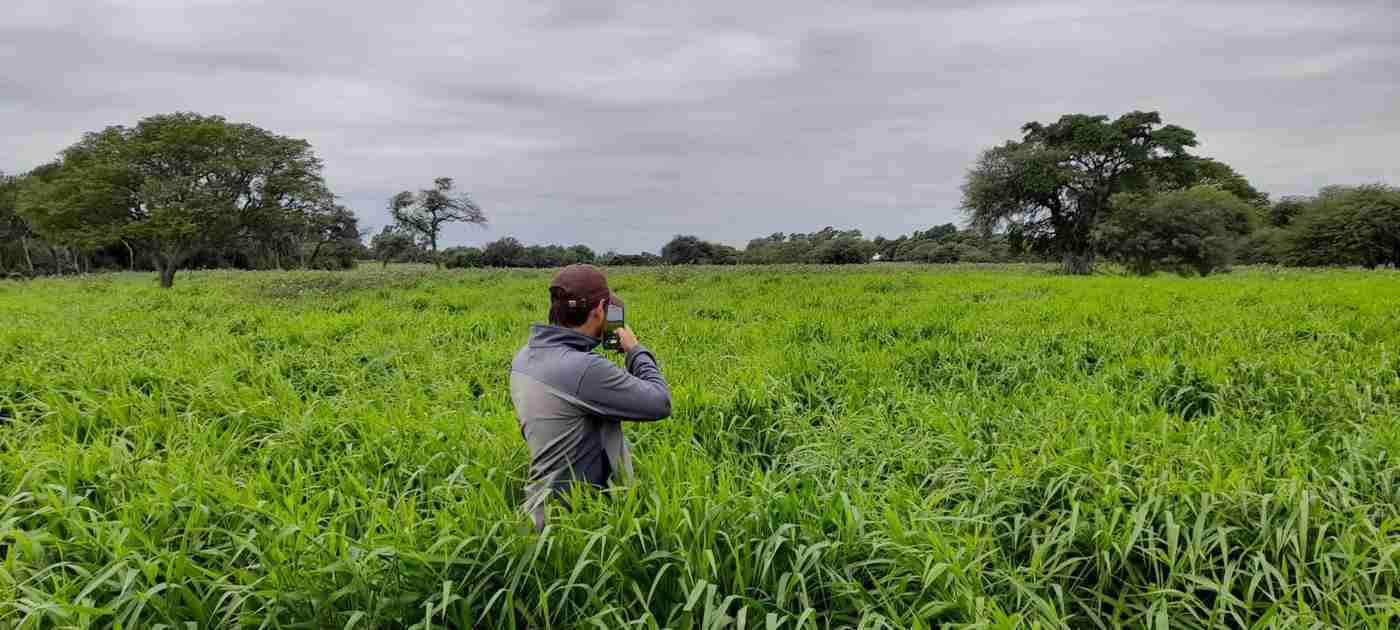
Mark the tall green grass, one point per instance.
(891, 447)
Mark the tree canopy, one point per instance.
(180, 183)
(425, 212)
(1348, 225)
(1191, 231)
(1056, 183)
(691, 250)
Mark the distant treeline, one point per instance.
(1192, 231)
(940, 244)
(186, 190)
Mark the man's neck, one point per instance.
(582, 331)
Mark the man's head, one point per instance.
(578, 299)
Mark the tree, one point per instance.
(579, 254)
(1267, 245)
(175, 183)
(391, 244)
(1282, 213)
(425, 213)
(13, 226)
(1057, 181)
(332, 234)
(1197, 230)
(1200, 171)
(839, 251)
(685, 250)
(462, 257)
(644, 259)
(935, 233)
(506, 252)
(539, 256)
(1349, 225)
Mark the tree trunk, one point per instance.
(1078, 263)
(436, 260)
(28, 261)
(57, 262)
(168, 263)
(167, 274)
(314, 252)
(130, 256)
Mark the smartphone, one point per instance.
(614, 322)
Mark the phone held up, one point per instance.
(614, 322)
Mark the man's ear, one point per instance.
(601, 310)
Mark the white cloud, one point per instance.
(619, 124)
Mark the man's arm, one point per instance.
(637, 393)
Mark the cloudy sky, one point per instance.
(619, 124)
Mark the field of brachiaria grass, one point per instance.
(901, 447)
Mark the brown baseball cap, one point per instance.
(583, 286)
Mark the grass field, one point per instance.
(900, 447)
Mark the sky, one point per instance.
(621, 124)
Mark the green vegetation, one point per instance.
(1192, 231)
(176, 186)
(892, 446)
(1056, 184)
(423, 214)
(185, 190)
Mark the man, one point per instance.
(571, 401)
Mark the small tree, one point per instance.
(579, 254)
(462, 257)
(690, 250)
(685, 250)
(425, 213)
(329, 238)
(506, 252)
(1197, 230)
(391, 244)
(839, 251)
(1267, 245)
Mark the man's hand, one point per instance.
(625, 339)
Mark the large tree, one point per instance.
(176, 184)
(425, 213)
(1056, 182)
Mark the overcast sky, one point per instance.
(619, 124)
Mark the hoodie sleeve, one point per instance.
(636, 393)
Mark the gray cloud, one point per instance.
(618, 124)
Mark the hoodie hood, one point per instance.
(546, 336)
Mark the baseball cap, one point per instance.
(582, 286)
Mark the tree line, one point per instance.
(186, 190)
(1129, 190)
(1080, 190)
(1192, 231)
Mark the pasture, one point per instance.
(883, 446)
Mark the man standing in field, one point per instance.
(570, 401)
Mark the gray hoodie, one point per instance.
(570, 403)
